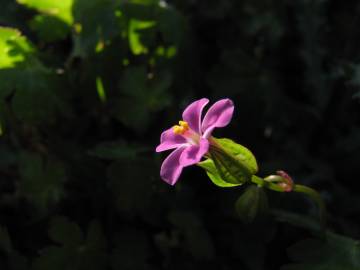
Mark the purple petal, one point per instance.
(193, 154)
(171, 168)
(218, 115)
(170, 140)
(192, 114)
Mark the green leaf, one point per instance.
(136, 27)
(100, 89)
(41, 181)
(95, 21)
(59, 9)
(75, 251)
(168, 20)
(131, 197)
(332, 253)
(14, 48)
(297, 220)
(251, 204)
(94, 255)
(35, 102)
(22, 74)
(34, 99)
(49, 28)
(142, 97)
(214, 175)
(197, 239)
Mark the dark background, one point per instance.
(79, 177)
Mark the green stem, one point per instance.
(315, 196)
(311, 193)
(262, 183)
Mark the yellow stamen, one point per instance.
(181, 128)
(184, 124)
(178, 130)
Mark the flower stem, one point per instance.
(262, 183)
(311, 193)
(315, 196)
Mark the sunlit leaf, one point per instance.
(100, 89)
(22, 74)
(14, 48)
(60, 9)
(135, 29)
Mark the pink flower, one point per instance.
(190, 138)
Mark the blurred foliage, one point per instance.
(87, 86)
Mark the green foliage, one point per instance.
(58, 9)
(49, 28)
(252, 204)
(126, 192)
(87, 86)
(22, 72)
(142, 96)
(196, 239)
(334, 252)
(95, 21)
(15, 48)
(75, 250)
(42, 183)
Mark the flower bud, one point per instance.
(282, 179)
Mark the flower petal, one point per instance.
(192, 114)
(218, 115)
(193, 154)
(171, 168)
(170, 140)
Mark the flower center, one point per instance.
(181, 128)
(184, 130)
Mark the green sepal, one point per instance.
(235, 163)
(242, 154)
(251, 204)
(210, 168)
